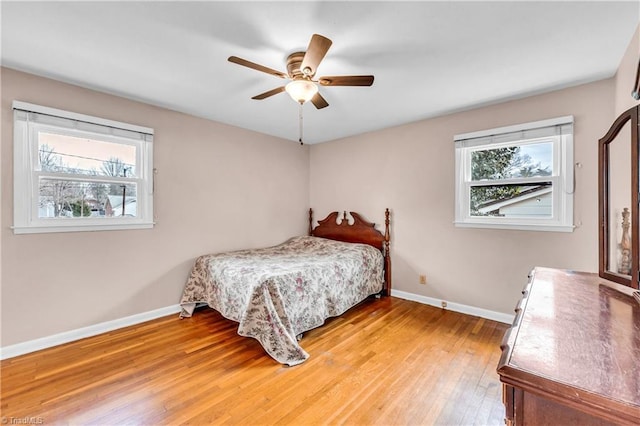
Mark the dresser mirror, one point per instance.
(619, 183)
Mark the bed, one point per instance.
(277, 293)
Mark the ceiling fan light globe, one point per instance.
(301, 90)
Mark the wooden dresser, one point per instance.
(572, 356)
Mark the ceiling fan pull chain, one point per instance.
(300, 117)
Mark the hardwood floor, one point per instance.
(387, 361)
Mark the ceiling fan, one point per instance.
(301, 70)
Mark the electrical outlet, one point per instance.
(444, 304)
(423, 279)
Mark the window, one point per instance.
(516, 177)
(73, 172)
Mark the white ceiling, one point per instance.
(428, 58)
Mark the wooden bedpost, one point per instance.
(310, 221)
(387, 254)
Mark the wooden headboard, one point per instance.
(360, 231)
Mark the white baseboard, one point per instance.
(80, 333)
(92, 330)
(457, 307)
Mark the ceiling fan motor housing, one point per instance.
(293, 66)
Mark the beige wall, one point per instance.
(410, 169)
(625, 77)
(218, 187)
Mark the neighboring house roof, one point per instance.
(534, 192)
(115, 203)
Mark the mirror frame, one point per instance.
(603, 199)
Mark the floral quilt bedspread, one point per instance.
(279, 292)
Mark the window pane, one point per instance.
(510, 201)
(68, 154)
(77, 199)
(521, 161)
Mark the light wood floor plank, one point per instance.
(386, 362)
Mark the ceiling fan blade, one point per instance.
(269, 93)
(346, 80)
(318, 101)
(318, 47)
(255, 66)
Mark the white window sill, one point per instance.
(80, 228)
(517, 227)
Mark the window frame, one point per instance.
(562, 178)
(27, 172)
